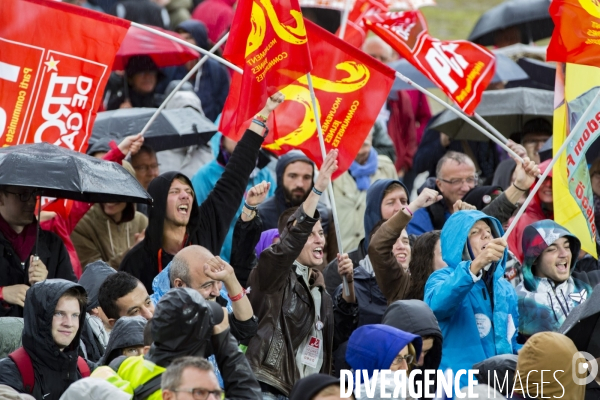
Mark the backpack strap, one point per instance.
(25, 367)
(83, 367)
(144, 391)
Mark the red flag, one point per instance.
(460, 68)
(55, 60)
(351, 88)
(268, 40)
(576, 36)
(356, 32)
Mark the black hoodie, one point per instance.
(54, 370)
(128, 332)
(414, 316)
(208, 224)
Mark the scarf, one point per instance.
(22, 242)
(362, 173)
(266, 240)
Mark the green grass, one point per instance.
(454, 19)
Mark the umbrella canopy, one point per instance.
(583, 324)
(541, 74)
(67, 174)
(531, 17)
(164, 52)
(506, 70)
(507, 110)
(172, 129)
(520, 50)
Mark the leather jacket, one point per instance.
(285, 308)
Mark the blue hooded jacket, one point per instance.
(474, 326)
(374, 347)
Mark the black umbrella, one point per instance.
(172, 129)
(506, 110)
(530, 16)
(583, 324)
(506, 71)
(541, 74)
(67, 174)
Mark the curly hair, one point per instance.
(421, 263)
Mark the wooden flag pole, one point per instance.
(344, 19)
(540, 181)
(336, 221)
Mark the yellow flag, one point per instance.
(575, 85)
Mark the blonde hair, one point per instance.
(331, 390)
(413, 352)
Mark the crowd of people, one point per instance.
(231, 284)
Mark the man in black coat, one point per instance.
(18, 267)
(176, 221)
(54, 316)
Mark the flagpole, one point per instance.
(336, 222)
(182, 82)
(491, 128)
(191, 46)
(460, 114)
(540, 181)
(344, 20)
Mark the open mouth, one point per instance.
(183, 209)
(562, 267)
(401, 257)
(318, 253)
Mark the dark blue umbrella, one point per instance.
(506, 70)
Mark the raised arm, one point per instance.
(391, 277)
(222, 204)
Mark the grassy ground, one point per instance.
(454, 19)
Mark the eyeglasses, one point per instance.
(408, 358)
(201, 393)
(146, 168)
(24, 197)
(471, 181)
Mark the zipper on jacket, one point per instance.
(484, 295)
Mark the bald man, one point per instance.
(377, 48)
(195, 267)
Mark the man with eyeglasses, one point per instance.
(190, 378)
(19, 269)
(145, 165)
(455, 177)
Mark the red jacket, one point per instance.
(533, 213)
(402, 131)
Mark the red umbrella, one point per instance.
(163, 51)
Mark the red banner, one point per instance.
(576, 36)
(351, 88)
(55, 60)
(460, 68)
(268, 40)
(356, 32)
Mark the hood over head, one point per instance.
(536, 356)
(415, 316)
(182, 325)
(282, 163)
(159, 190)
(501, 366)
(92, 278)
(372, 347)
(307, 387)
(94, 389)
(40, 303)
(183, 99)
(536, 238)
(141, 63)
(198, 31)
(373, 208)
(127, 332)
(455, 233)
